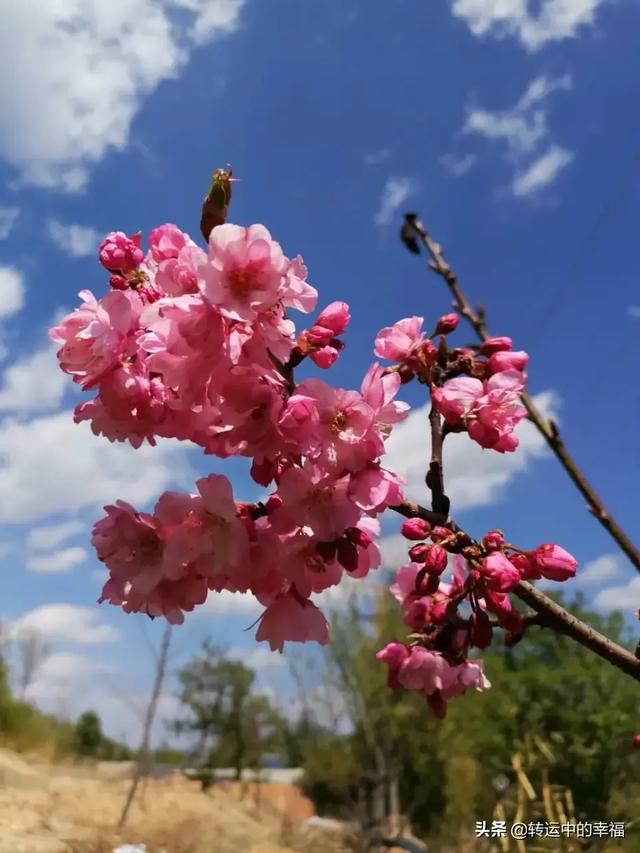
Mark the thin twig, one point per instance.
(434, 479)
(547, 428)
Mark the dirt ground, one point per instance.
(71, 809)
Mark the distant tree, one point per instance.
(32, 651)
(234, 726)
(88, 737)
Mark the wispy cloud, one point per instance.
(524, 130)
(12, 291)
(394, 194)
(554, 20)
(77, 241)
(65, 622)
(458, 165)
(8, 217)
(56, 562)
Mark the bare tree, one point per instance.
(143, 753)
(32, 651)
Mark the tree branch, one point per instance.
(434, 479)
(549, 613)
(547, 428)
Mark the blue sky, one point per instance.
(511, 127)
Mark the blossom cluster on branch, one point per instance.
(200, 346)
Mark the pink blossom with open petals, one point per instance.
(290, 618)
(397, 342)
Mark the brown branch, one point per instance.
(434, 478)
(545, 427)
(549, 614)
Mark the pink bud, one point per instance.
(527, 568)
(119, 253)
(499, 573)
(415, 529)
(481, 631)
(335, 317)
(492, 345)
(440, 533)
(635, 742)
(324, 357)
(447, 323)
(319, 336)
(493, 540)
(118, 282)
(359, 537)
(435, 561)
(554, 562)
(263, 472)
(419, 552)
(501, 361)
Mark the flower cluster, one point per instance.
(449, 619)
(475, 390)
(199, 346)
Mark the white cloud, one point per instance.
(458, 165)
(554, 20)
(474, 477)
(396, 191)
(634, 311)
(227, 603)
(376, 158)
(92, 64)
(525, 131)
(52, 535)
(49, 464)
(11, 291)
(625, 597)
(33, 384)
(542, 171)
(8, 216)
(65, 623)
(605, 568)
(394, 551)
(56, 562)
(78, 241)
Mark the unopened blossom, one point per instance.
(446, 324)
(492, 345)
(119, 253)
(498, 573)
(415, 529)
(335, 317)
(501, 361)
(553, 562)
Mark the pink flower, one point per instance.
(554, 562)
(458, 398)
(467, 675)
(167, 241)
(119, 253)
(98, 336)
(501, 361)
(425, 671)
(325, 357)
(394, 655)
(397, 342)
(244, 274)
(492, 345)
(498, 573)
(290, 618)
(334, 317)
(493, 540)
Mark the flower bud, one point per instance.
(335, 317)
(325, 357)
(493, 540)
(635, 742)
(215, 206)
(359, 537)
(419, 552)
(499, 573)
(492, 345)
(318, 335)
(436, 560)
(447, 323)
(554, 562)
(118, 282)
(440, 533)
(119, 253)
(415, 529)
(501, 361)
(481, 631)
